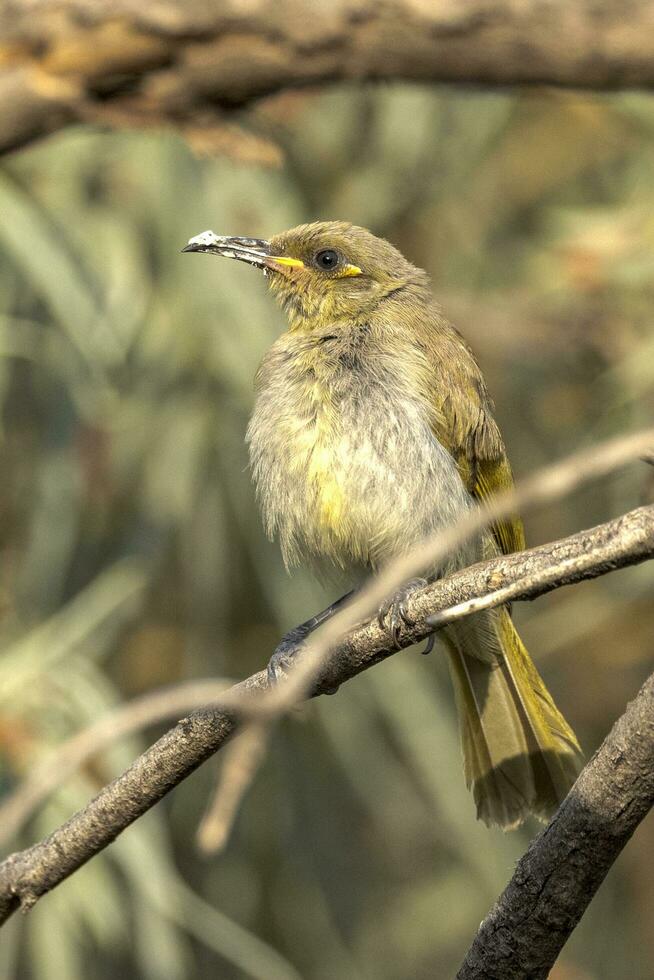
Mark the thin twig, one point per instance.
(239, 769)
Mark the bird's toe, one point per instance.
(393, 613)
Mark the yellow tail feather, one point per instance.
(520, 754)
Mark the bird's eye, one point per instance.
(327, 259)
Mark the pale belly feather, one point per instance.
(349, 476)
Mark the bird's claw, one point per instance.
(429, 645)
(393, 614)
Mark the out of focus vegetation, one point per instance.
(132, 554)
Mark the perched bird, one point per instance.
(372, 428)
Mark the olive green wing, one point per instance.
(464, 424)
(493, 476)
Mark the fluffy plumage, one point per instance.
(373, 428)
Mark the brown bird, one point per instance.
(372, 429)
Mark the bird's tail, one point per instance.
(520, 754)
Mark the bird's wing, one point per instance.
(494, 476)
(464, 424)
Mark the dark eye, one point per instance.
(327, 259)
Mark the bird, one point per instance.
(373, 428)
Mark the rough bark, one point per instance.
(554, 882)
(27, 875)
(183, 62)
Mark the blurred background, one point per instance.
(132, 556)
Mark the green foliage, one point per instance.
(132, 554)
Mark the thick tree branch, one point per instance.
(27, 875)
(555, 880)
(181, 62)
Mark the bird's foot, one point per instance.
(393, 613)
(291, 647)
(285, 658)
(287, 653)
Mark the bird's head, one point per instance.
(324, 272)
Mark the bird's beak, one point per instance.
(254, 251)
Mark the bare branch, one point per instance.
(555, 880)
(562, 569)
(27, 875)
(183, 63)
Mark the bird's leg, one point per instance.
(291, 645)
(393, 612)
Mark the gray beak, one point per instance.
(254, 251)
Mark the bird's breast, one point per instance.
(345, 462)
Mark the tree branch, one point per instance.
(555, 880)
(27, 875)
(182, 62)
